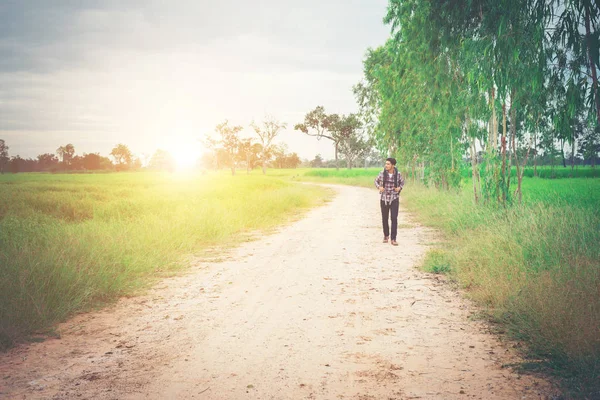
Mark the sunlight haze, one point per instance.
(153, 74)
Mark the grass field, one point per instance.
(73, 242)
(535, 268)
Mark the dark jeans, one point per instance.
(385, 212)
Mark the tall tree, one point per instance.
(66, 153)
(3, 155)
(230, 141)
(269, 130)
(318, 124)
(122, 156)
(353, 144)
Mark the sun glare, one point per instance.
(185, 152)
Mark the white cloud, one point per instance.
(141, 72)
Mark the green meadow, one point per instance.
(533, 268)
(74, 242)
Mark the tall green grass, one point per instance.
(535, 267)
(549, 172)
(72, 242)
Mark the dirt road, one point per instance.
(319, 310)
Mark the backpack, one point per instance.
(385, 174)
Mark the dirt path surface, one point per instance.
(320, 310)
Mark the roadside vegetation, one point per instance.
(74, 242)
(534, 268)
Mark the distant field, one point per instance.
(71, 242)
(535, 268)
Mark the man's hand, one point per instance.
(381, 189)
(398, 189)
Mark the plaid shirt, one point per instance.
(389, 194)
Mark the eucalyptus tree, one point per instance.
(576, 40)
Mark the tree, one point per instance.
(318, 124)
(283, 160)
(122, 156)
(47, 161)
(66, 153)
(162, 160)
(352, 145)
(317, 162)
(94, 161)
(3, 155)
(230, 141)
(269, 130)
(211, 159)
(247, 153)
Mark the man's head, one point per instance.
(390, 163)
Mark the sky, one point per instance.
(162, 74)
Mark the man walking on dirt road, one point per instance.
(390, 183)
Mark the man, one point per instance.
(390, 184)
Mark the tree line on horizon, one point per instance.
(121, 159)
(228, 149)
(503, 83)
(224, 149)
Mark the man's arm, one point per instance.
(379, 180)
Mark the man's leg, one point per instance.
(385, 212)
(394, 207)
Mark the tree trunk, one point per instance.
(513, 128)
(513, 134)
(535, 154)
(562, 152)
(573, 152)
(474, 168)
(337, 167)
(494, 133)
(452, 152)
(503, 151)
(588, 42)
(264, 168)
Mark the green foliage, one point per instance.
(535, 267)
(437, 262)
(71, 242)
(345, 131)
(455, 72)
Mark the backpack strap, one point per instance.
(395, 177)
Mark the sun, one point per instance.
(186, 152)
(185, 158)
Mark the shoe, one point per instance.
(385, 239)
(394, 243)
